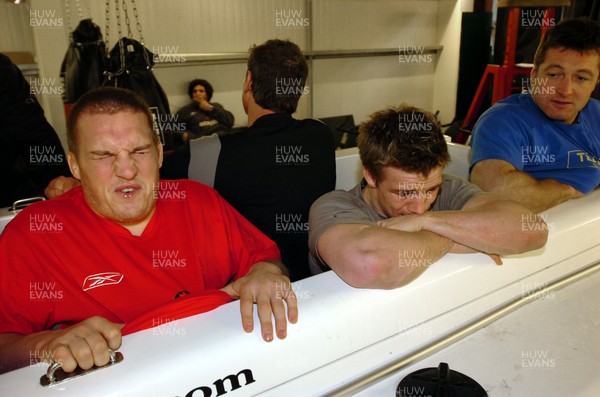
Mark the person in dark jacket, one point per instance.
(202, 117)
(272, 171)
(31, 154)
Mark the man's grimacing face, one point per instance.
(117, 163)
(563, 84)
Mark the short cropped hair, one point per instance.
(106, 100)
(279, 72)
(403, 137)
(207, 86)
(577, 34)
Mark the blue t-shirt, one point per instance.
(517, 131)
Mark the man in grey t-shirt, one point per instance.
(406, 213)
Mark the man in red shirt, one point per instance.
(74, 269)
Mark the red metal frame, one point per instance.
(500, 76)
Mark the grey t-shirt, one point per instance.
(341, 207)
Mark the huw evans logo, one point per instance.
(49, 86)
(167, 259)
(167, 326)
(413, 259)
(536, 18)
(290, 223)
(537, 359)
(45, 155)
(44, 291)
(290, 87)
(412, 391)
(169, 190)
(537, 155)
(414, 123)
(45, 223)
(44, 19)
(290, 19)
(170, 123)
(414, 191)
(536, 223)
(291, 155)
(167, 54)
(539, 86)
(413, 54)
(41, 358)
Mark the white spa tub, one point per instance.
(478, 317)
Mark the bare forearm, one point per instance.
(499, 226)
(84, 344)
(17, 351)
(272, 266)
(537, 195)
(377, 257)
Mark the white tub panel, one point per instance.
(342, 332)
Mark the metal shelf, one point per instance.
(181, 60)
(29, 69)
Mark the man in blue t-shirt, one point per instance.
(543, 147)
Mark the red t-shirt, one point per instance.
(61, 263)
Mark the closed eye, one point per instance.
(142, 150)
(101, 155)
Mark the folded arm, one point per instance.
(501, 177)
(489, 223)
(399, 249)
(379, 257)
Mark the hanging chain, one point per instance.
(68, 15)
(107, 27)
(137, 21)
(118, 12)
(120, 40)
(127, 22)
(79, 12)
(118, 17)
(125, 9)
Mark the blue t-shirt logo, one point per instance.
(580, 159)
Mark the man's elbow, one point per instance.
(531, 238)
(370, 271)
(538, 239)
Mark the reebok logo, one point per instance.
(101, 279)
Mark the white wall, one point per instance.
(15, 34)
(357, 86)
(360, 86)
